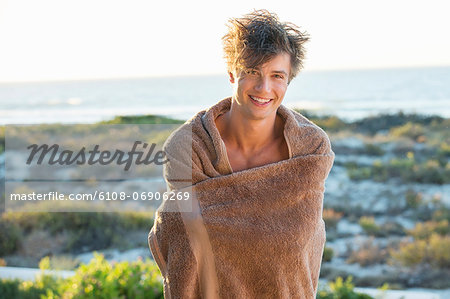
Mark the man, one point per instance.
(254, 226)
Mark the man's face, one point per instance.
(259, 92)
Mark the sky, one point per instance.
(77, 39)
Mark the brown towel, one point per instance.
(256, 233)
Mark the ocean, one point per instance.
(350, 94)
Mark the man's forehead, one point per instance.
(279, 63)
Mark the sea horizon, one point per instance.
(348, 94)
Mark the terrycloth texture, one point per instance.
(256, 233)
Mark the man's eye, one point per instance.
(279, 76)
(251, 72)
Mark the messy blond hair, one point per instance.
(259, 36)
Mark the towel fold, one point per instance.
(256, 233)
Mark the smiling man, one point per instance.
(251, 129)
(254, 228)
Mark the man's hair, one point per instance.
(257, 37)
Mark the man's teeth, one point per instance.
(259, 100)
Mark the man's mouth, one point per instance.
(260, 101)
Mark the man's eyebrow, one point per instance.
(280, 72)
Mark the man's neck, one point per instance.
(248, 135)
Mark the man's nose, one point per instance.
(263, 84)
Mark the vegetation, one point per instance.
(384, 122)
(396, 148)
(369, 226)
(372, 149)
(424, 230)
(139, 279)
(407, 169)
(98, 279)
(329, 123)
(425, 164)
(341, 289)
(10, 237)
(327, 254)
(88, 231)
(331, 218)
(143, 119)
(430, 245)
(14, 288)
(2, 139)
(368, 254)
(413, 199)
(388, 228)
(434, 251)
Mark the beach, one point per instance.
(387, 198)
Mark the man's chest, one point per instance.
(240, 161)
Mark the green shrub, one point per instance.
(331, 218)
(407, 169)
(378, 171)
(410, 130)
(91, 231)
(439, 251)
(331, 123)
(98, 279)
(391, 228)
(328, 254)
(368, 254)
(63, 262)
(443, 153)
(143, 119)
(327, 122)
(373, 149)
(101, 279)
(2, 139)
(413, 199)
(10, 237)
(369, 226)
(14, 288)
(411, 254)
(434, 251)
(359, 173)
(341, 289)
(431, 172)
(424, 230)
(442, 213)
(401, 167)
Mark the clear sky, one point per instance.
(79, 39)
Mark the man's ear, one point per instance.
(230, 74)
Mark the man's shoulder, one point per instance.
(306, 134)
(301, 119)
(200, 129)
(181, 138)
